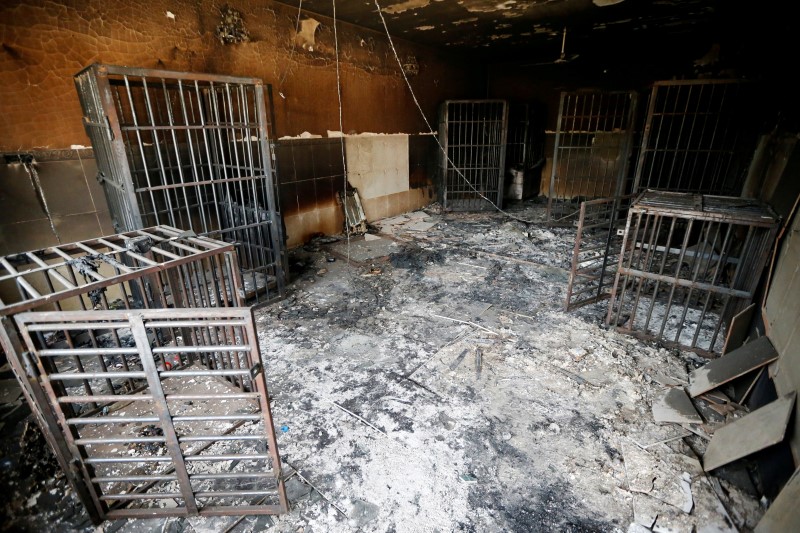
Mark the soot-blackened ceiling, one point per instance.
(533, 30)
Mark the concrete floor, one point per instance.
(439, 386)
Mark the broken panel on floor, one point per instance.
(472, 167)
(689, 264)
(168, 415)
(592, 149)
(699, 137)
(598, 242)
(190, 151)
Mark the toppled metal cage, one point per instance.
(689, 263)
(190, 151)
(591, 150)
(472, 165)
(85, 354)
(698, 137)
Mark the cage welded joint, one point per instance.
(689, 263)
(149, 321)
(191, 151)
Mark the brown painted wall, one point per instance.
(45, 42)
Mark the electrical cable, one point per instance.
(431, 130)
(341, 131)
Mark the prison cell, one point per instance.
(698, 137)
(689, 263)
(127, 275)
(595, 255)
(472, 165)
(591, 150)
(189, 151)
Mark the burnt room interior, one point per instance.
(399, 266)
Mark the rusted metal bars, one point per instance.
(472, 166)
(697, 137)
(591, 150)
(688, 264)
(191, 151)
(596, 252)
(147, 446)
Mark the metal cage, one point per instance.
(190, 151)
(689, 263)
(91, 368)
(598, 241)
(698, 137)
(591, 150)
(472, 166)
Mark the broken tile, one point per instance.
(673, 405)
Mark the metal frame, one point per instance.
(689, 263)
(598, 242)
(696, 137)
(156, 414)
(472, 165)
(154, 268)
(584, 166)
(191, 151)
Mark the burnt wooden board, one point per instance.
(749, 434)
(739, 362)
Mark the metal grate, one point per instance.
(591, 152)
(184, 394)
(473, 135)
(190, 151)
(698, 137)
(595, 256)
(158, 268)
(689, 264)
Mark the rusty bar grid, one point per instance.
(159, 267)
(698, 137)
(472, 166)
(190, 151)
(689, 263)
(598, 242)
(151, 446)
(591, 150)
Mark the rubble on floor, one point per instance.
(442, 387)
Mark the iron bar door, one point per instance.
(190, 151)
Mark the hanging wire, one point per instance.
(428, 124)
(341, 131)
(291, 52)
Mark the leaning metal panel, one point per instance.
(472, 166)
(189, 431)
(689, 264)
(598, 242)
(698, 137)
(190, 151)
(591, 152)
(157, 267)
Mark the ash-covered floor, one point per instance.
(441, 387)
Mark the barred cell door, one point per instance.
(180, 427)
(472, 164)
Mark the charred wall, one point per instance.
(45, 42)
